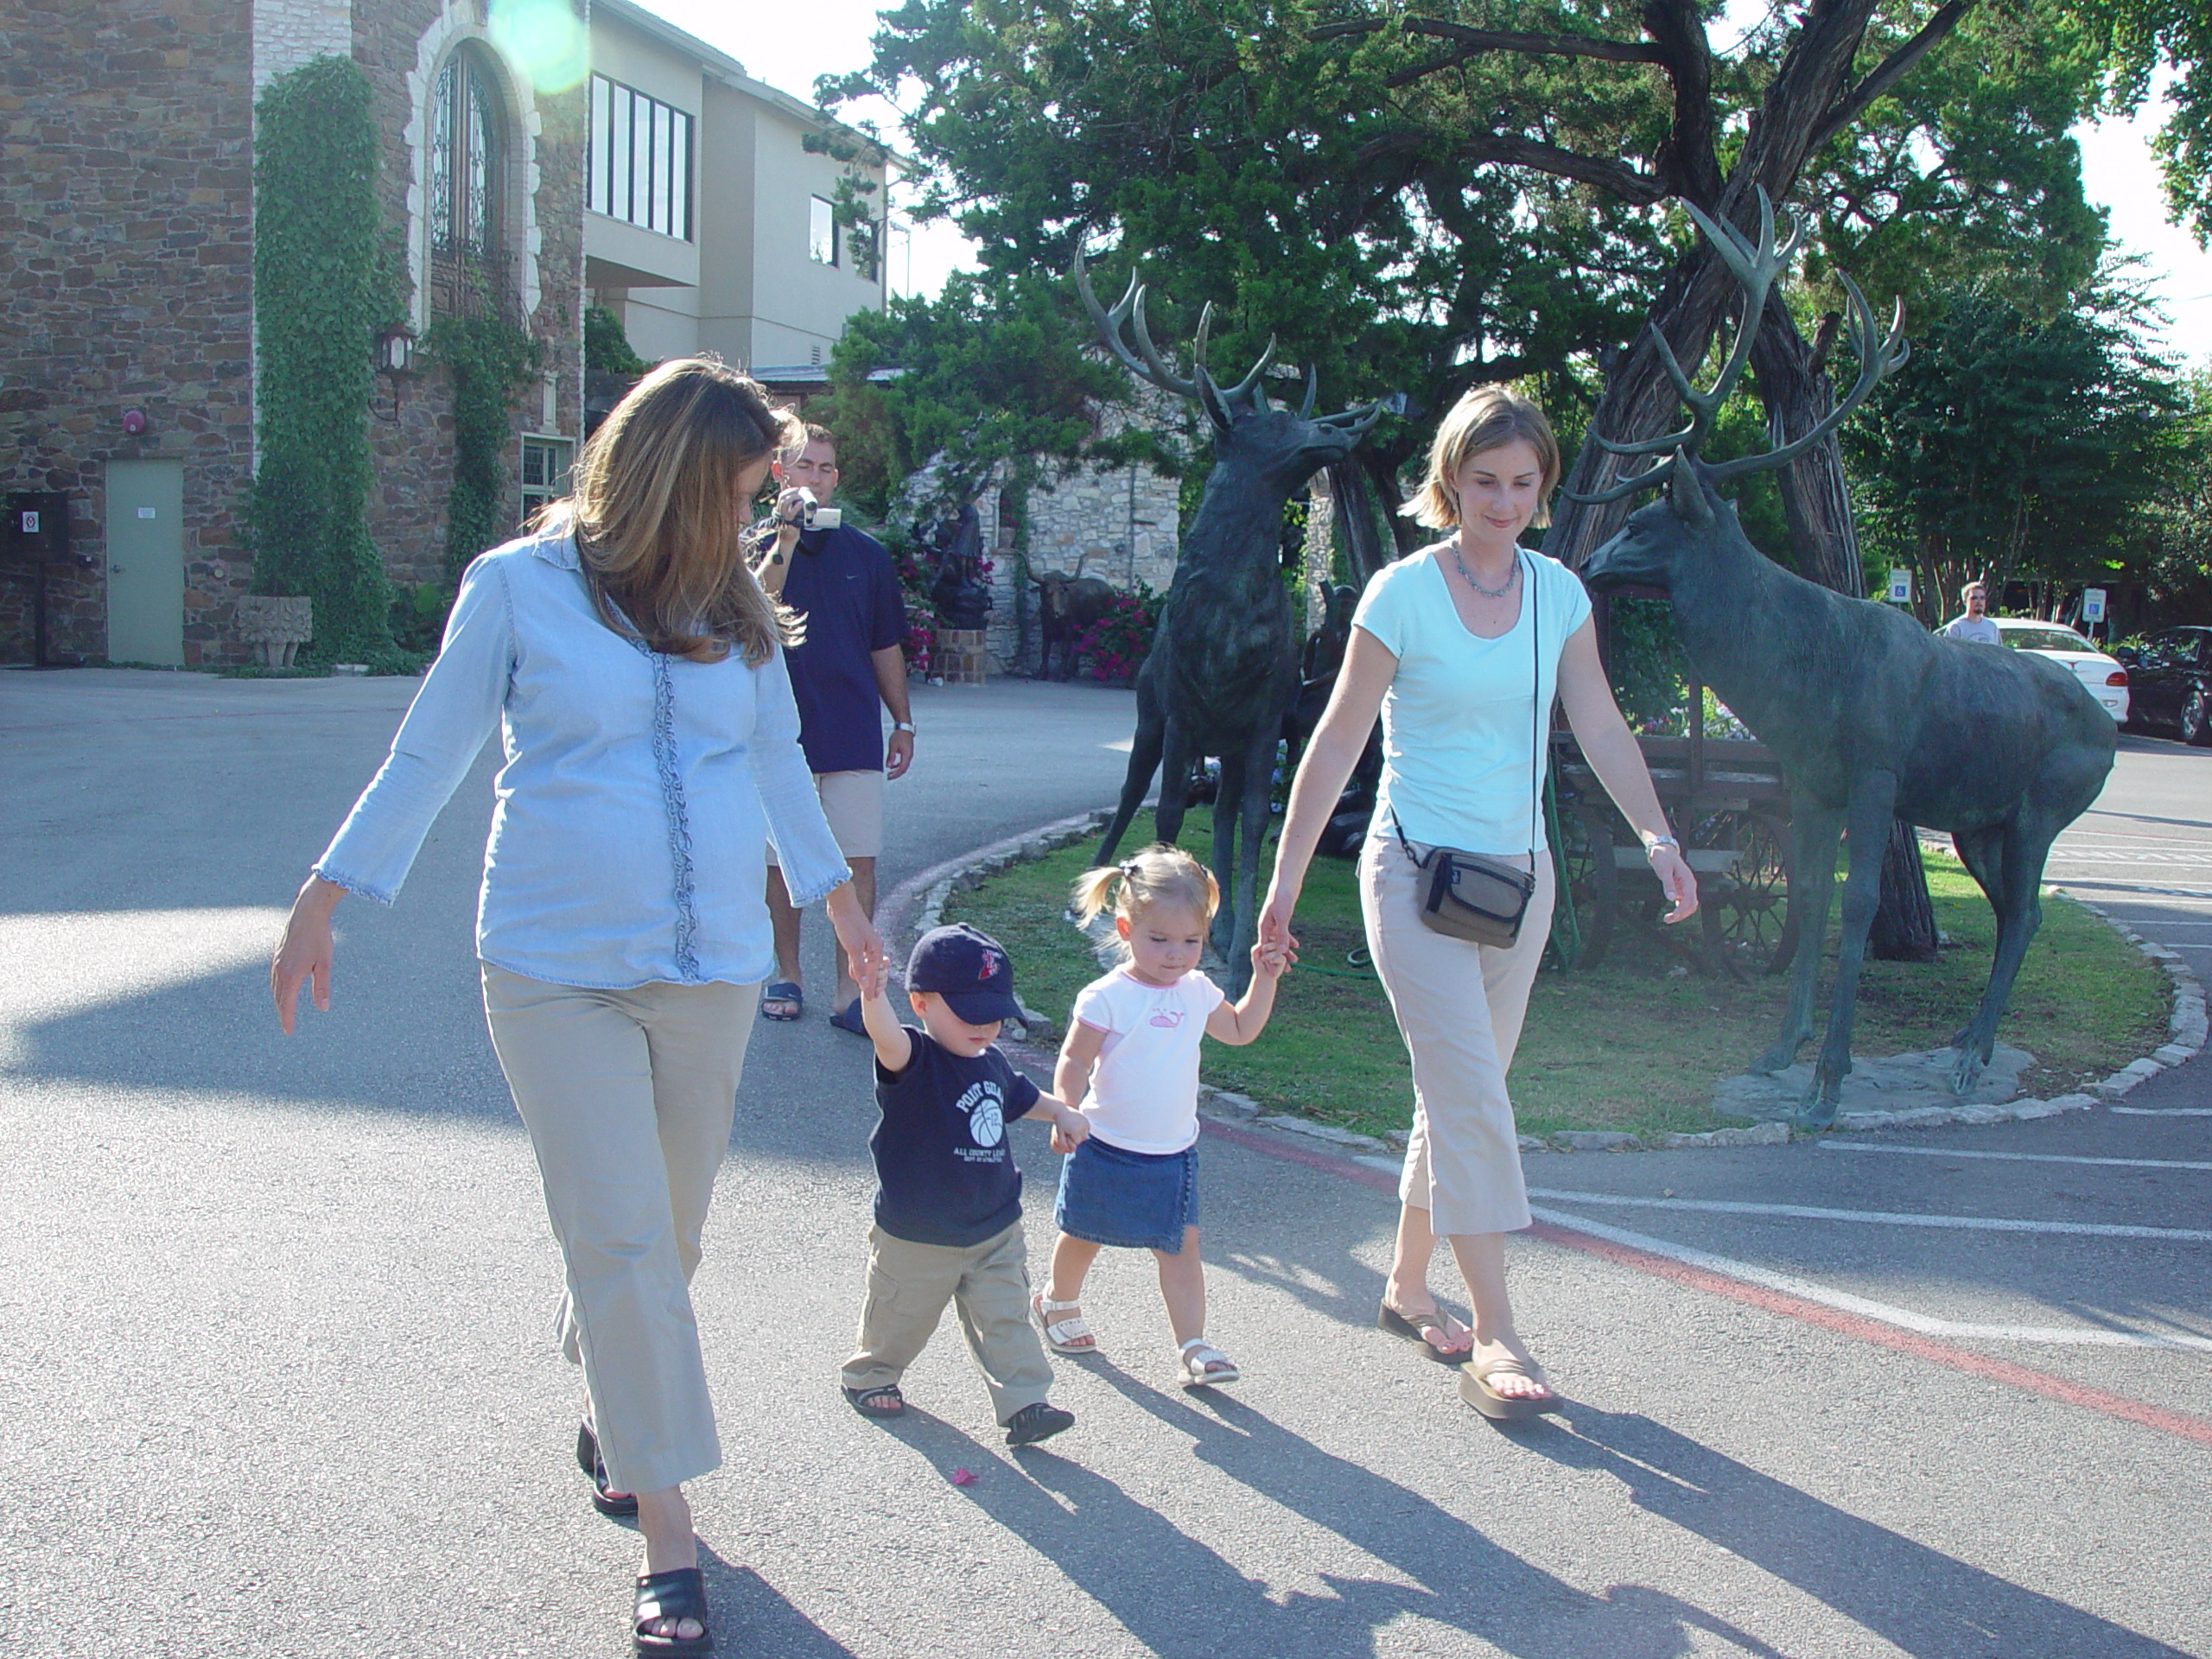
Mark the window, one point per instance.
(544, 474)
(638, 161)
(821, 233)
(465, 159)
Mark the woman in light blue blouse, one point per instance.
(633, 670)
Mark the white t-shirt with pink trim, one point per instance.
(1144, 1091)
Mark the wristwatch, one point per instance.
(1653, 843)
(906, 726)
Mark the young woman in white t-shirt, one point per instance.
(1461, 648)
(1134, 1045)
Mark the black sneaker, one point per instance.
(1037, 1422)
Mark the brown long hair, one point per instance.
(658, 519)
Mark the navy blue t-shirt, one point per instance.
(841, 580)
(945, 1172)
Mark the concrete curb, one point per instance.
(918, 905)
(2186, 1028)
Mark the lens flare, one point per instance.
(543, 40)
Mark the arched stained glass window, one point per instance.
(465, 159)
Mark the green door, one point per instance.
(146, 562)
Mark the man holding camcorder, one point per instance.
(842, 581)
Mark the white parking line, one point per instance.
(1826, 1145)
(2163, 1111)
(2054, 879)
(1884, 1218)
(1904, 1318)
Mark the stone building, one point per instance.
(126, 267)
(126, 286)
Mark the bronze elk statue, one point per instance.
(1871, 717)
(1224, 670)
(1068, 606)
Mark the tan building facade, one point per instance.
(759, 272)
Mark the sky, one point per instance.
(2118, 168)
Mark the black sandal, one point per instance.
(1415, 1328)
(616, 1506)
(670, 1598)
(885, 1402)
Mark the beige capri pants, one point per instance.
(1459, 1008)
(628, 1095)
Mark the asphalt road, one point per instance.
(277, 1315)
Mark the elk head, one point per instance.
(1648, 547)
(1283, 448)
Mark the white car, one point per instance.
(2104, 676)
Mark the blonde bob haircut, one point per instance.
(1162, 874)
(1487, 418)
(657, 519)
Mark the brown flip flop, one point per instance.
(1415, 1328)
(1475, 1389)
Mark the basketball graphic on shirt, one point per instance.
(986, 1120)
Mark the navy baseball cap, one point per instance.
(968, 969)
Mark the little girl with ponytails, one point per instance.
(1133, 1045)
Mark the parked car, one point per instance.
(2170, 676)
(2104, 676)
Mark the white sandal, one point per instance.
(1198, 1355)
(1068, 1336)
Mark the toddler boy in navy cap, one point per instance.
(948, 1202)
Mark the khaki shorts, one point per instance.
(853, 801)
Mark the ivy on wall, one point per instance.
(319, 293)
(492, 362)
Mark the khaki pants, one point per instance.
(627, 1097)
(1459, 1009)
(908, 1285)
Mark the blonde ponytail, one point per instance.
(1160, 874)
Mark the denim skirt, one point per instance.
(1138, 1200)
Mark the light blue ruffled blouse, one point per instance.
(639, 792)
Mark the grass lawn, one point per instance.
(1638, 1043)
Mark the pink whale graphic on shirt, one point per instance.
(1165, 1019)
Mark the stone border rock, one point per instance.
(2188, 1029)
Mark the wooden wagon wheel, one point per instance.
(1750, 923)
(1582, 862)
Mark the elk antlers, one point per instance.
(1147, 364)
(1755, 267)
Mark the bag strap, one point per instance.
(1399, 830)
(1536, 710)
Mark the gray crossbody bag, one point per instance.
(1473, 896)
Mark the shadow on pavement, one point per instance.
(751, 1616)
(1179, 1594)
(1927, 1604)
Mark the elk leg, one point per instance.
(2018, 914)
(1873, 803)
(1174, 784)
(1144, 759)
(1982, 852)
(1812, 884)
(1228, 805)
(1252, 831)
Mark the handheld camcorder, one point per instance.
(815, 516)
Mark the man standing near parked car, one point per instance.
(1974, 624)
(842, 581)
